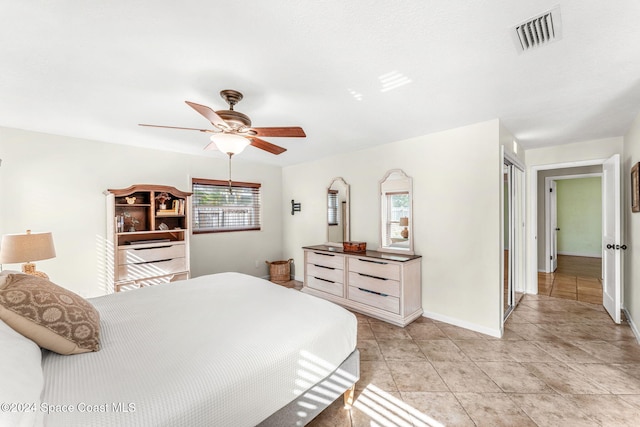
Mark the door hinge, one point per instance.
(551, 190)
(551, 257)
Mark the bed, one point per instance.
(218, 350)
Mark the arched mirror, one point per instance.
(396, 216)
(338, 212)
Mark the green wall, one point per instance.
(579, 203)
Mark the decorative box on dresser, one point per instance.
(382, 285)
(148, 232)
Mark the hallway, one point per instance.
(576, 278)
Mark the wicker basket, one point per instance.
(280, 271)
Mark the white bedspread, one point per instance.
(220, 350)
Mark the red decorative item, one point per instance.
(354, 246)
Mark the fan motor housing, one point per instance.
(235, 118)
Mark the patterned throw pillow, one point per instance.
(53, 317)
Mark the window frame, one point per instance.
(255, 189)
(332, 208)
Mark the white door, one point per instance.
(611, 233)
(553, 217)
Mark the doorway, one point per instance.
(611, 229)
(573, 216)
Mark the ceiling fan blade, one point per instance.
(267, 146)
(292, 131)
(175, 127)
(209, 114)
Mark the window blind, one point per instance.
(217, 207)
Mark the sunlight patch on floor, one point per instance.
(388, 411)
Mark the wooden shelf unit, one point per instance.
(147, 245)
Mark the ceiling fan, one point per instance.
(232, 130)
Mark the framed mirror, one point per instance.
(338, 218)
(396, 213)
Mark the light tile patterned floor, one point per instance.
(560, 363)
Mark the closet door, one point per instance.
(514, 236)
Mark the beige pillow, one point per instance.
(53, 317)
(4, 274)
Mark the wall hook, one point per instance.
(295, 207)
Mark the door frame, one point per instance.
(549, 250)
(532, 283)
(509, 159)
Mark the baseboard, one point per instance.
(466, 325)
(591, 255)
(632, 325)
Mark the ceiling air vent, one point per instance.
(538, 31)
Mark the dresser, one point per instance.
(381, 285)
(148, 231)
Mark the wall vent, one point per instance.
(538, 31)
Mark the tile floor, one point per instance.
(560, 363)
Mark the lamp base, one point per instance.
(404, 233)
(30, 268)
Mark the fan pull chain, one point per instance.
(230, 154)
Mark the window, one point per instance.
(332, 207)
(397, 208)
(218, 207)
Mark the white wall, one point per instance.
(630, 157)
(54, 183)
(457, 178)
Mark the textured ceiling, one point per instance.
(96, 69)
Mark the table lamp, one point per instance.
(404, 222)
(26, 248)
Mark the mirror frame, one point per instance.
(347, 212)
(383, 215)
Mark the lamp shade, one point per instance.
(229, 143)
(404, 221)
(27, 247)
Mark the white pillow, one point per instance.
(21, 377)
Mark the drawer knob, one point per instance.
(155, 247)
(373, 292)
(373, 262)
(320, 253)
(373, 277)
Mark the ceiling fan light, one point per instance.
(229, 143)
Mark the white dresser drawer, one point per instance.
(324, 285)
(137, 284)
(384, 302)
(134, 255)
(376, 284)
(325, 259)
(374, 267)
(328, 273)
(151, 269)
